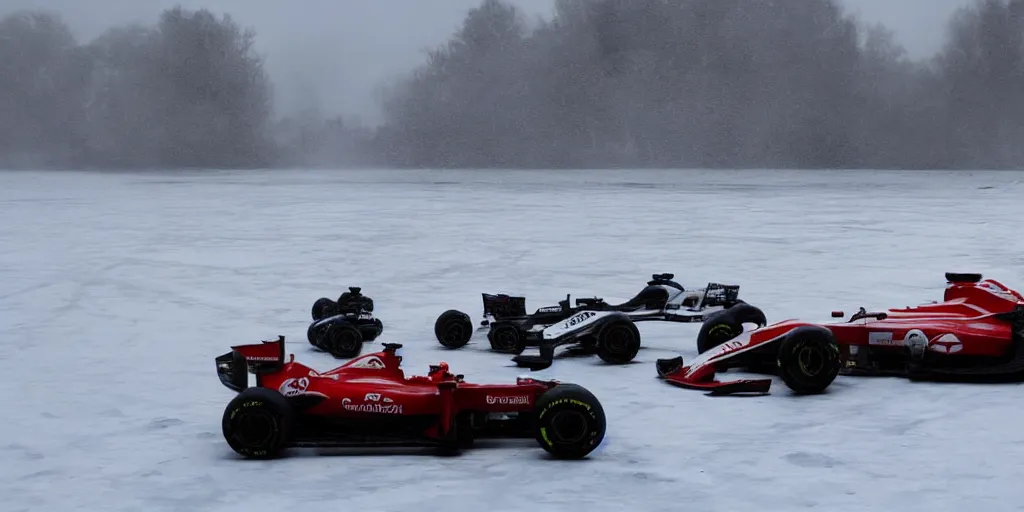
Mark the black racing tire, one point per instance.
(321, 307)
(332, 309)
(371, 331)
(258, 423)
(368, 333)
(618, 341)
(570, 422)
(453, 329)
(722, 326)
(718, 327)
(963, 277)
(506, 339)
(315, 333)
(342, 340)
(808, 360)
(746, 314)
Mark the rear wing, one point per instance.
(503, 306)
(717, 294)
(233, 368)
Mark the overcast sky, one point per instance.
(332, 54)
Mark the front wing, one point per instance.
(674, 372)
(700, 373)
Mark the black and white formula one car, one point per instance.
(340, 327)
(592, 326)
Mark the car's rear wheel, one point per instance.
(618, 342)
(453, 329)
(315, 334)
(257, 423)
(570, 421)
(808, 359)
(372, 330)
(506, 339)
(321, 308)
(722, 326)
(342, 340)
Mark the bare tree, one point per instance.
(983, 70)
(43, 75)
(713, 83)
(188, 92)
(213, 96)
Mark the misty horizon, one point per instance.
(333, 55)
(507, 84)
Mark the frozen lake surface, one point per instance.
(119, 289)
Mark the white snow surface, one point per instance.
(119, 289)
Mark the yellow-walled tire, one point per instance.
(570, 422)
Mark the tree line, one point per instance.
(603, 83)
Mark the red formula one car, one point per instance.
(369, 401)
(976, 334)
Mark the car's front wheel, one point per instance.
(808, 359)
(570, 421)
(618, 342)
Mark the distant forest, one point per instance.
(604, 84)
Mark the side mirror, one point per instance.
(838, 314)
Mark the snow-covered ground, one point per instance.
(120, 289)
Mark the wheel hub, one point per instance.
(344, 341)
(618, 339)
(569, 426)
(810, 360)
(454, 332)
(253, 428)
(506, 339)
